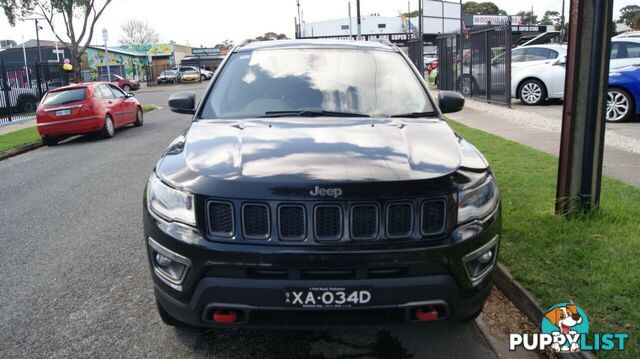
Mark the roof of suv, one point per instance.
(314, 43)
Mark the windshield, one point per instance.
(63, 97)
(367, 82)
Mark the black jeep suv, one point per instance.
(319, 184)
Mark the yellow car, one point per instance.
(190, 76)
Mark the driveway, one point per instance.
(75, 279)
(553, 110)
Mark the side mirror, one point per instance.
(562, 61)
(129, 94)
(450, 101)
(183, 102)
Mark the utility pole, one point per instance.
(359, 20)
(350, 27)
(562, 29)
(38, 40)
(583, 114)
(421, 37)
(299, 21)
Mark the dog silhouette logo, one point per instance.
(566, 322)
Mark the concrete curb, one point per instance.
(19, 150)
(526, 302)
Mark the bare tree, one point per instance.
(79, 16)
(138, 32)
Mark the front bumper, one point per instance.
(250, 279)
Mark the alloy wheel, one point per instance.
(617, 106)
(531, 93)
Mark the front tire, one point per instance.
(139, 118)
(167, 318)
(532, 92)
(126, 88)
(108, 130)
(620, 105)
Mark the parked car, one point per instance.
(190, 76)
(319, 183)
(125, 84)
(21, 100)
(537, 73)
(628, 34)
(624, 94)
(204, 74)
(168, 76)
(625, 51)
(94, 107)
(429, 57)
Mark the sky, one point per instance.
(208, 22)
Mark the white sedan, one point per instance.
(538, 71)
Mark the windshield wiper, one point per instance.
(416, 114)
(309, 113)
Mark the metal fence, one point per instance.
(22, 87)
(477, 63)
(449, 70)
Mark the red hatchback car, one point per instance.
(96, 107)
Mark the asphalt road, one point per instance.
(74, 280)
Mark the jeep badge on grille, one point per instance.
(326, 192)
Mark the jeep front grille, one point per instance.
(292, 222)
(364, 221)
(399, 220)
(255, 221)
(221, 221)
(309, 222)
(328, 222)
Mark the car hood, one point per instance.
(286, 153)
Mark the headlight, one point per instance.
(478, 202)
(169, 203)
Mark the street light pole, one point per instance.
(105, 37)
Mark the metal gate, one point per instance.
(489, 76)
(477, 63)
(449, 69)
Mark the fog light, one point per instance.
(478, 264)
(169, 266)
(162, 261)
(486, 257)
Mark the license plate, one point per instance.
(63, 113)
(327, 297)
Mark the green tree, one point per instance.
(635, 22)
(272, 36)
(414, 13)
(552, 18)
(79, 17)
(528, 17)
(481, 8)
(226, 44)
(628, 13)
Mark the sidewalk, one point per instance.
(12, 127)
(621, 154)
